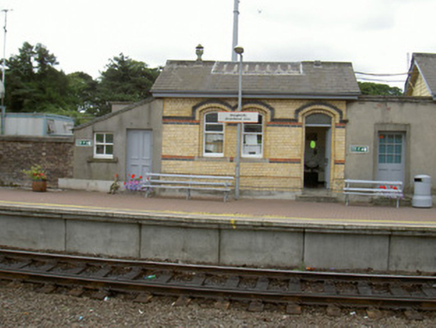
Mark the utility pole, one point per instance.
(3, 88)
(235, 30)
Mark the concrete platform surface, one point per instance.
(250, 209)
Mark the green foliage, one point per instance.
(33, 84)
(377, 89)
(124, 79)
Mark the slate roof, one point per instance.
(425, 65)
(286, 80)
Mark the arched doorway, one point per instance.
(317, 151)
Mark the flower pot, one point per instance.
(39, 186)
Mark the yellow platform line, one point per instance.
(231, 216)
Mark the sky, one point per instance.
(376, 36)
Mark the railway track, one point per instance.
(257, 286)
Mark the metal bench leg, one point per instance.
(188, 193)
(346, 200)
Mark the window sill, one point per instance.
(102, 160)
(212, 159)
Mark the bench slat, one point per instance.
(185, 187)
(151, 182)
(374, 182)
(187, 183)
(187, 176)
(393, 189)
(376, 190)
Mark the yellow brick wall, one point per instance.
(280, 168)
(180, 140)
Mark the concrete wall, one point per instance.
(413, 116)
(274, 244)
(145, 115)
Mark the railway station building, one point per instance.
(313, 129)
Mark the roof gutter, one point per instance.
(163, 94)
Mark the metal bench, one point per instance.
(389, 189)
(188, 183)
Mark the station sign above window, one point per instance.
(84, 143)
(238, 117)
(359, 149)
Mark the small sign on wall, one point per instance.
(84, 143)
(238, 117)
(359, 149)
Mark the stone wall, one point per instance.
(17, 153)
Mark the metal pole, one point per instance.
(239, 51)
(235, 29)
(3, 76)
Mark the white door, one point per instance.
(390, 156)
(139, 152)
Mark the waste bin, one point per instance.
(422, 195)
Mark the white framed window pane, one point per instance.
(214, 127)
(99, 137)
(104, 147)
(212, 118)
(99, 149)
(253, 150)
(213, 135)
(214, 143)
(252, 139)
(253, 128)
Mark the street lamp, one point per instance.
(239, 50)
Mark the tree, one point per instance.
(124, 79)
(378, 89)
(83, 89)
(33, 84)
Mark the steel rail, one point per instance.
(224, 269)
(392, 296)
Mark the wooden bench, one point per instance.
(389, 189)
(187, 182)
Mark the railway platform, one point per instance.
(252, 209)
(248, 232)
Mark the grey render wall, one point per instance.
(145, 115)
(54, 154)
(414, 116)
(219, 241)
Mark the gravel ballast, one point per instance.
(21, 305)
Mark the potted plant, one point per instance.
(38, 176)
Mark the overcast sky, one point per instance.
(375, 35)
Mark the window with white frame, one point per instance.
(103, 145)
(252, 138)
(213, 140)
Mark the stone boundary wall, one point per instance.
(54, 154)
